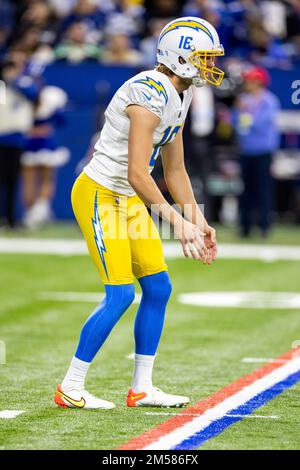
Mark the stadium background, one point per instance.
(44, 296)
(116, 39)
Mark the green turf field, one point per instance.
(200, 352)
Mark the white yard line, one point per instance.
(43, 247)
(264, 360)
(10, 414)
(62, 247)
(261, 300)
(253, 416)
(170, 413)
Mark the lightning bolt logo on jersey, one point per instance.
(156, 85)
(154, 91)
(98, 233)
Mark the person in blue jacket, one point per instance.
(255, 123)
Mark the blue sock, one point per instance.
(149, 320)
(100, 323)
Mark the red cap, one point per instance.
(257, 74)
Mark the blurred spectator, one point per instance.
(6, 23)
(124, 24)
(6, 14)
(202, 127)
(162, 8)
(265, 49)
(16, 117)
(28, 42)
(293, 27)
(195, 7)
(42, 18)
(62, 9)
(88, 14)
(148, 45)
(248, 28)
(42, 56)
(255, 123)
(126, 18)
(274, 17)
(75, 46)
(3, 40)
(42, 155)
(119, 51)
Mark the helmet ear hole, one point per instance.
(181, 60)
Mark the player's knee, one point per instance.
(129, 294)
(157, 285)
(121, 296)
(165, 286)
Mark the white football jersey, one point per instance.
(154, 91)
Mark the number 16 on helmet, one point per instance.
(189, 47)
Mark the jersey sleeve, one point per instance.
(147, 95)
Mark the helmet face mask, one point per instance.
(210, 74)
(188, 46)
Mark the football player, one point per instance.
(144, 119)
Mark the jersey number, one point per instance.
(168, 135)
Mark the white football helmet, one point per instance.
(188, 46)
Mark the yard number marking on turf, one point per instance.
(10, 414)
(254, 360)
(257, 299)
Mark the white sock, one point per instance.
(75, 377)
(142, 376)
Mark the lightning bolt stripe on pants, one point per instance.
(98, 234)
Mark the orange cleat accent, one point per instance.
(132, 397)
(57, 398)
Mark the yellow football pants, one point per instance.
(121, 236)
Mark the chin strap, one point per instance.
(199, 82)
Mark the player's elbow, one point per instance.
(174, 176)
(132, 179)
(135, 179)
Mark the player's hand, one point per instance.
(210, 240)
(192, 241)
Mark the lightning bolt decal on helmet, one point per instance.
(189, 46)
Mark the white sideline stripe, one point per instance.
(71, 247)
(201, 299)
(162, 413)
(10, 414)
(77, 296)
(173, 438)
(43, 247)
(264, 360)
(248, 299)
